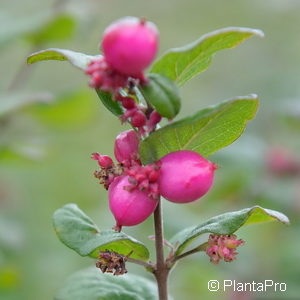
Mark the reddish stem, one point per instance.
(161, 272)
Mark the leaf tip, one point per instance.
(258, 33)
(29, 59)
(252, 31)
(276, 215)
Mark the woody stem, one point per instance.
(161, 272)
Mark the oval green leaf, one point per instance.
(205, 132)
(162, 94)
(60, 28)
(112, 106)
(91, 284)
(68, 111)
(182, 64)
(77, 231)
(11, 102)
(227, 223)
(79, 60)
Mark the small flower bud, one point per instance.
(104, 161)
(138, 119)
(128, 102)
(155, 117)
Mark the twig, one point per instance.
(166, 242)
(145, 264)
(202, 247)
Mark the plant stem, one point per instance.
(145, 264)
(202, 247)
(161, 272)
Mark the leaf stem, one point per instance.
(145, 264)
(202, 247)
(161, 272)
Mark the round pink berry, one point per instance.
(185, 176)
(129, 207)
(130, 45)
(126, 146)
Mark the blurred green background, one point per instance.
(50, 123)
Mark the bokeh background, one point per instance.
(50, 122)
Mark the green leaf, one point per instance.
(162, 94)
(205, 132)
(19, 151)
(91, 284)
(12, 28)
(59, 28)
(111, 105)
(68, 111)
(227, 223)
(11, 102)
(79, 60)
(77, 231)
(182, 64)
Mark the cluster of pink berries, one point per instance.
(129, 46)
(134, 189)
(222, 247)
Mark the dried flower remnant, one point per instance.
(104, 77)
(222, 247)
(144, 178)
(111, 262)
(108, 170)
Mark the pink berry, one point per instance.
(281, 161)
(129, 207)
(130, 45)
(185, 176)
(138, 119)
(126, 146)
